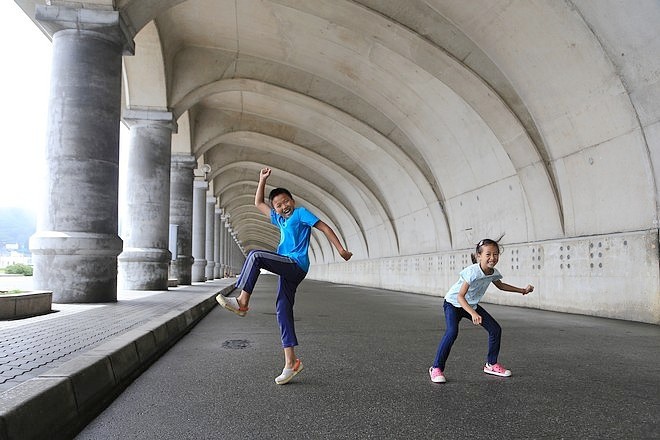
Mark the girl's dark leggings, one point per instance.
(453, 316)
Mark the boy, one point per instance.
(291, 263)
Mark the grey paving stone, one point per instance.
(32, 346)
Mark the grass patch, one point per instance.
(8, 292)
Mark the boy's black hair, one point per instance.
(485, 242)
(276, 192)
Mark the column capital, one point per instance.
(160, 118)
(107, 23)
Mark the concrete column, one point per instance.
(144, 263)
(181, 214)
(199, 231)
(210, 236)
(232, 253)
(230, 263)
(217, 231)
(76, 244)
(225, 245)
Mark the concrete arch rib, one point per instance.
(242, 192)
(145, 85)
(355, 48)
(582, 109)
(250, 224)
(137, 13)
(363, 205)
(322, 203)
(413, 199)
(435, 43)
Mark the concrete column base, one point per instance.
(199, 271)
(88, 261)
(209, 270)
(143, 269)
(181, 269)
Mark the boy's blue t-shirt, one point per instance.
(295, 232)
(478, 281)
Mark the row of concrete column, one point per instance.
(77, 251)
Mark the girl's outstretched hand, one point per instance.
(346, 255)
(264, 173)
(476, 319)
(528, 289)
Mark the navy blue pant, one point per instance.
(453, 316)
(290, 276)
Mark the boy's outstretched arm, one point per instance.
(332, 237)
(259, 195)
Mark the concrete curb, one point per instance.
(60, 402)
(25, 304)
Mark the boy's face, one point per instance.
(283, 205)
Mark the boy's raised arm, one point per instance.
(259, 195)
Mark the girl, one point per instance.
(461, 302)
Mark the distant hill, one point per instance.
(16, 226)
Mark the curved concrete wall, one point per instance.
(417, 128)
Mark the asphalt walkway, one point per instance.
(366, 354)
(57, 371)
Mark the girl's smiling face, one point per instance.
(488, 257)
(283, 205)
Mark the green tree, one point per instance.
(19, 269)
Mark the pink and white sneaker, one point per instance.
(497, 370)
(436, 375)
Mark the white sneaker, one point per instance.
(288, 373)
(231, 304)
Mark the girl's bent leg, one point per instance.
(494, 335)
(453, 316)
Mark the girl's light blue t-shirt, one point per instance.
(295, 232)
(478, 282)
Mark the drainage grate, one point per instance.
(236, 344)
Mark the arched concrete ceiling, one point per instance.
(413, 126)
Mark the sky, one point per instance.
(24, 86)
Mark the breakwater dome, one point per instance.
(414, 129)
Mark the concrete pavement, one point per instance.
(366, 354)
(57, 371)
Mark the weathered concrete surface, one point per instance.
(590, 275)
(24, 304)
(366, 354)
(144, 262)
(76, 244)
(415, 129)
(181, 207)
